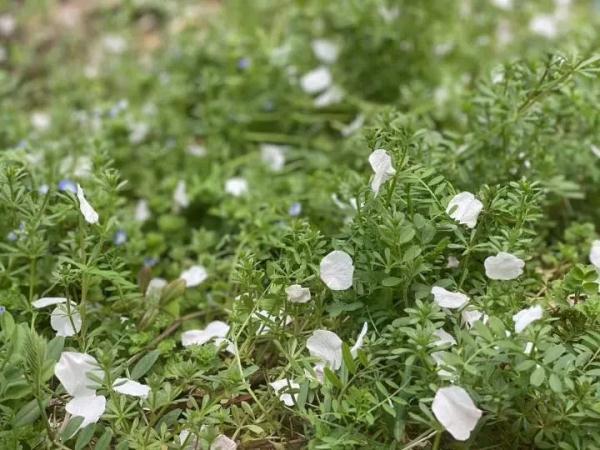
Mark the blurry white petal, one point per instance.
(503, 266)
(199, 151)
(316, 80)
(282, 388)
(62, 322)
(180, 196)
(438, 357)
(447, 299)
(360, 340)
(325, 50)
(470, 316)
(216, 329)
(331, 96)
(47, 301)
(236, 186)
(503, 4)
(131, 387)
(595, 254)
(444, 338)
(155, 287)
(189, 439)
(381, 163)
(595, 150)
(142, 211)
(452, 262)
(353, 126)
(90, 408)
(8, 24)
(40, 121)
(528, 348)
(455, 410)
(273, 156)
(72, 369)
(526, 316)
(138, 132)
(86, 209)
(222, 442)
(297, 294)
(388, 14)
(267, 318)
(194, 276)
(336, 270)
(544, 25)
(465, 209)
(228, 347)
(326, 346)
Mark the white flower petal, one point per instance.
(452, 262)
(595, 150)
(180, 196)
(47, 301)
(72, 370)
(444, 338)
(267, 318)
(353, 126)
(316, 80)
(297, 294)
(282, 388)
(528, 348)
(470, 316)
(273, 156)
(334, 94)
(595, 254)
(382, 166)
(526, 316)
(199, 151)
(156, 286)
(222, 442)
(142, 211)
(455, 410)
(544, 25)
(229, 347)
(447, 299)
(503, 266)
(90, 408)
(194, 276)
(63, 323)
(359, 340)
(130, 387)
(325, 50)
(326, 346)
(89, 214)
(236, 186)
(336, 270)
(465, 209)
(216, 329)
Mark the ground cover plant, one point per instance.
(299, 224)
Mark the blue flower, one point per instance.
(12, 236)
(120, 237)
(244, 63)
(2, 309)
(67, 186)
(150, 262)
(295, 210)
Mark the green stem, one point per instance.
(437, 441)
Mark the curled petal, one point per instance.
(297, 294)
(360, 340)
(336, 270)
(216, 329)
(444, 338)
(222, 442)
(325, 50)
(72, 370)
(283, 387)
(316, 80)
(130, 387)
(595, 254)
(454, 409)
(447, 299)
(470, 316)
(63, 323)
(48, 301)
(383, 169)
(527, 316)
(327, 346)
(89, 214)
(194, 276)
(465, 209)
(90, 408)
(503, 266)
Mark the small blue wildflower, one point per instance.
(2, 309)
(12, 236)
(67, 186)
(244, 63)
(295, 210)
(120, 237)
(150, 262)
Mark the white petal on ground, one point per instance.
(130, 387)
(595, 254)
(334, 94)
(447, 299)
(282, 388)
(180, 196)
(265, 316)
(48, 301)
(452, 262)
(438, 357)
(62, 322)
(194, 276)
(222, 442)
(90, 408)
(89, 214)
(470, 316)
(273, 156)
(454, 409)
(353, 126)
(227, 345)
(444, 338)
(72, 371)
(236, 186)
(216, 329)
(325, 50)
(503, 266)
(297, 294)
(336, 270)
(189, 439)
(382, 166)
(327, 346)
(595, 150)
(360, 340)
(465, 209)
(316, 80)
(142, 211)
(527, 316)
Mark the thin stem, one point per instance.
(437, 441)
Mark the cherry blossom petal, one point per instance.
(216, 329)
(454, 409)
(222, 442)
(273, 156)
(72, 370)
(316, 80)
(180, 196)
(236, 186)
(447, 299)
(297, 294)
(89, 407)
(382, 166)
(503, 266)
(595, 254)
(63, 323)
(527, 316)
(194, 276)
(359, 340)
(336, 270)
(130, 387)
(89, 214)
(48, 301)
(465, 209)
(282, 388)
(327, 346)
(325, 50)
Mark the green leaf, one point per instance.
(28, 413)
(71, 428)
(348, 359)
(391, 281)
(104, 441)
(525, 365)
(333, 378)
(85, 436)
(144, 364)
(537, 376)
(555, 383)
(553, 353)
